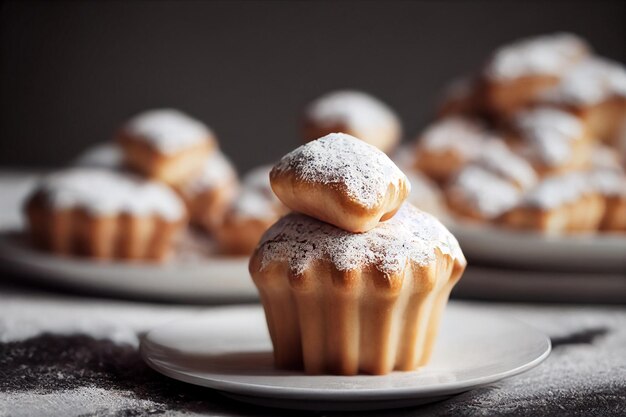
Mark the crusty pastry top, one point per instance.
(104, 192)
(168, 130)
(410, 236)
(340, 160)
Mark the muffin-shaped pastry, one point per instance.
(340, 180)
(517, 73)
(611, 185)
(343, 303)
(209, 195)
(355, 113)
(558, 204)
(478, 194)
(253, 211)
(595, 91)
(426, 195)
(448, 144)
(104, 215)
(552, 140)
(166, 144)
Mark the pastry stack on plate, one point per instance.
(354, 279)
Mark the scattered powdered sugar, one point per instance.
(558, 190)
(256, 199)
(217, 170)
(104, 192)
(548, 134)
(410, 236)
(354, 109)
(542, 55)
(497, 158)
(456, 134)
(483, 191)
(609, 183)
(605, 158)
(168, 130)
(342, 160)
(590, 82)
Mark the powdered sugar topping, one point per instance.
(410, 236)
(498, 159)
(341, 160)
(558, 190)
(168, 130)
(256, 199)
(542, 55)
(456, 134)
(590, 82)
(103, 192)
(218, 170)
(548, 134)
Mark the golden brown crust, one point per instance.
(614, 218)
(503, 99)
(77, 232)
(240, 235)
(207, 209)
(172, 168)
(331, 204)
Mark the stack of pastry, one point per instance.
(536, 140)
(355, 278)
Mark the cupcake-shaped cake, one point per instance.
(342, 302)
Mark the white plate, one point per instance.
(206, 279)
(229, 349)
(536, 251)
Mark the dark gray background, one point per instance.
(72, 72)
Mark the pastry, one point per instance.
(517, 73)
(558, 204)
(425, 194)
(166, 145)
(499, 160)
(343, 303)
(355, 113)
(605, 158)
(611, 185)
(448, 144)
(552, 140)
(595, 91)
(253, 211)
(104, 155)
(342, 181)
(210, 194)
(461, 97)
(104, 215)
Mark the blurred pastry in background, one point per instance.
(461, 97)
(253, 211)
(558, 204)
(605, 158)
(341, 180)
(498, 159)
(611, 185)
(447, 145)
(166, 144)
(211, 193)
(425, 194)
(595, 91)
(552, 140)
(519, 72)
(355, 113)
(103, 214)
(103, 155)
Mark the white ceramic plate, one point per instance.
(535, 251)
(201, 279)
(228, 349)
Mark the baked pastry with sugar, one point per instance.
(104, 155)
(448, 144)
(166, 144)
(341, 180)
(426, 195)
(355, 113)
(606, 158)
(252, 212)
(552, 140)
(595, 91)
(611, 185)
(210, 194)
(498, 159)
(558, 204)
(345, 303)
(104, 215)
(517, 73)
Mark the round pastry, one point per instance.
(552, 140)
(105, 215)
(558, 204)
(518, 73)
(355, 113)
(595, 91)
(343, 303)
(253, 211)
(209, 195)
(340, 180)
(166, 145)
(448, 144)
